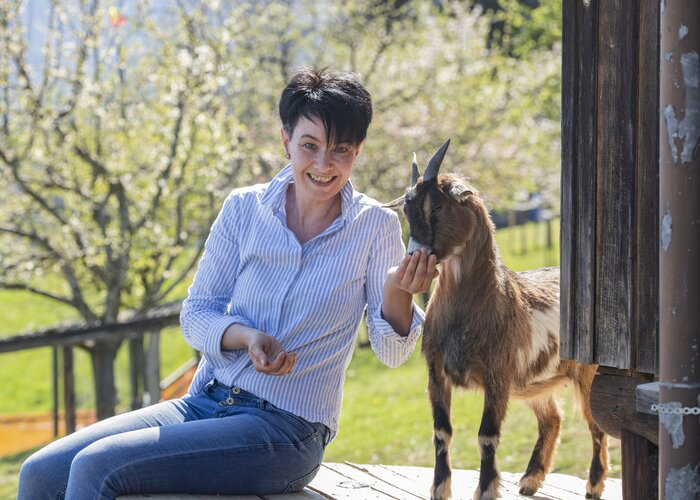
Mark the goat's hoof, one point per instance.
(594, 491)
(530, 484)
(491, 493)
(443, 491)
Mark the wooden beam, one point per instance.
(614, 405)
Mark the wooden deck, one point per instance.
(348, 481)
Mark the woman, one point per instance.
(287, 272)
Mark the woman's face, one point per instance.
(320, 170)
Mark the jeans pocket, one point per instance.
(301, 424)
(302, 482)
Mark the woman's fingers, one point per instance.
(419, 271)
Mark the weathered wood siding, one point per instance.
(610, 155)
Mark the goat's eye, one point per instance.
(437, 207)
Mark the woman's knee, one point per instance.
(43, 475)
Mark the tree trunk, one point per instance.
(103, 354)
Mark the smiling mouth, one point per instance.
(320, 179)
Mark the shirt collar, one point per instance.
(276, 193)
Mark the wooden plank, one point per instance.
(616, 120)
(184, 496)
(584, 243)
(388, 475)
(647, 396)
(646, 325)
(569, 91)
(340, 486)
(350, 481)
(640, 470)
(360, 475)
(305, 494)
(464, 482)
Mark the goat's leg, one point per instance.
(440, 393)
(548, 416)
(495, 406)
(599, 462)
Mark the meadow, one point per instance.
(386, 415)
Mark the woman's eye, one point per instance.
(309, 146)
(341, 149)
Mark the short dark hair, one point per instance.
(339, 99)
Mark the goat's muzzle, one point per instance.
(414, 246)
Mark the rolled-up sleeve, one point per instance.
(206, 312)
(390, 347)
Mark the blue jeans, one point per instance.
(223, 440)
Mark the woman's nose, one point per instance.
(324, 159)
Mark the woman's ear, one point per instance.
(285, 140)
(357, 151)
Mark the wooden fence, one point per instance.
(144, 360)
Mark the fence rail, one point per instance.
(144, 363)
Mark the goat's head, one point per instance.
(442, 210)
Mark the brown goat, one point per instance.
(493, 329)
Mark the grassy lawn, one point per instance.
(376, 398)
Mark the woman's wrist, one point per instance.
(237, 337)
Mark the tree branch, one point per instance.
(23, 286)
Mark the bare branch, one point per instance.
(7, 285)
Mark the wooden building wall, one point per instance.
(610, 158)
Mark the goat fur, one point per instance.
(491, 329)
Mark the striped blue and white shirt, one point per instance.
(310, 297)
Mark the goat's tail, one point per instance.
(538, 388)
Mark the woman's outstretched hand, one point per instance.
(268, 355)
(266, 352)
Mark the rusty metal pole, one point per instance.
(679, 251)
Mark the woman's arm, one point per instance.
(414, 275)
(393, 320)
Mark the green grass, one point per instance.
(376, 398)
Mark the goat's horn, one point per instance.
(414, 171)
(433, 167)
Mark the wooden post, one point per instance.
(136, 371)
(152, 370)
(68, 390)
(640, 463)
(679, 255)
(54, 388)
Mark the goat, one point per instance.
(489, 328)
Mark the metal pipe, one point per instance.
(679, 251)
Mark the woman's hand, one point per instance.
(268, 355)
(266, 352)
(415, 273)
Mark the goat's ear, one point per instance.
(397, 204)
(460, 192)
